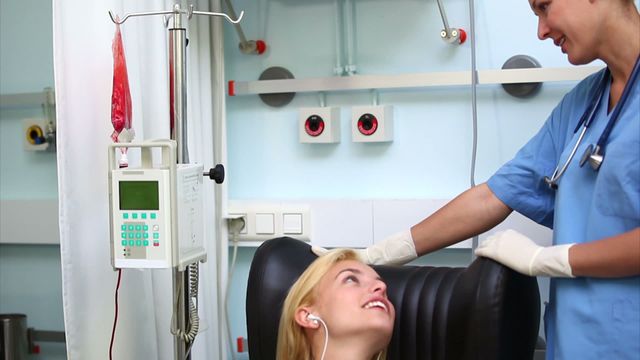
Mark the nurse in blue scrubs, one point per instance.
(580, 176)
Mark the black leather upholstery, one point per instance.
(485, 311)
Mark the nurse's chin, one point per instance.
(577, 59)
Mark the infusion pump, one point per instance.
(156, 217)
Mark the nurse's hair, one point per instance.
(293, 344)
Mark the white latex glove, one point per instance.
(394, 250)
(520, 253)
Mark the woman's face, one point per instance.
(572, 25)
(352, 299)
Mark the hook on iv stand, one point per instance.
(177, 45)
(176, 11)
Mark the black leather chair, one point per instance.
(485, 311)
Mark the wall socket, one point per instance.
(372, 123)
(34, 134)
(264, 221)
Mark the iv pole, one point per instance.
(178, 117)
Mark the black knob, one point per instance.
(216, 174)
(314, 123)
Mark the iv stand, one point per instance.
(178, 117)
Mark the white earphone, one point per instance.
(315, 320)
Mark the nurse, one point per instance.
(590, 199)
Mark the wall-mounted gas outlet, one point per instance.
(34, 133)
(264, 221)
(372, 123)
(319, 125)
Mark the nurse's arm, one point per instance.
(470, 213)
(616, 256)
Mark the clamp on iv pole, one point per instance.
(178, 115)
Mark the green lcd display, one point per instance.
(139, 195)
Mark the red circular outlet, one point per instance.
(314, 125)
(367, 124)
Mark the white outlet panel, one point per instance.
(264, 221)
(377, 128)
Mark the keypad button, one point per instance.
(156, 243)
(134, 215)
(156, 235)
(125, 215)
(153, 215)
(131, 227)
(138, 235)
(131, 235)
(124, 242)
(138, 243)
(131, 242)
(124, 235)
(145, 235)
(123, 227)
(138, 227)
(145, 227)
(145, 242)
(156, 227)
(143, 215)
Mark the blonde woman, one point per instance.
(337, 309)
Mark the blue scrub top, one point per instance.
(586, 318)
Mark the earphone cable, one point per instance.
(326, 337)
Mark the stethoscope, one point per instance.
(594, 154)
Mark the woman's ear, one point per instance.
(302, 318)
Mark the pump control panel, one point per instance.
(156, 214)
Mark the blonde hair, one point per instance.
(292, 341)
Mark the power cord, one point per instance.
(235, 226)
(474, 107)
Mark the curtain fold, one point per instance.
(83, 67)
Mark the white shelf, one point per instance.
(404, 81)
(29, 221)
(27, 99)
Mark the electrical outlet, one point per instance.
(372, 123)
(34, 134)
(319, 125)
(264, 221)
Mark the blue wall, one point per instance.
(30, 276)
(430, 156)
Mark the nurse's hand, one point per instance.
(396, 249)
(520, 253)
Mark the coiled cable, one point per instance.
(189, 334)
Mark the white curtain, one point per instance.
(83, 65)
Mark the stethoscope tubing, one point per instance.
(558, 173)
(587, 119)
(633, 78)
